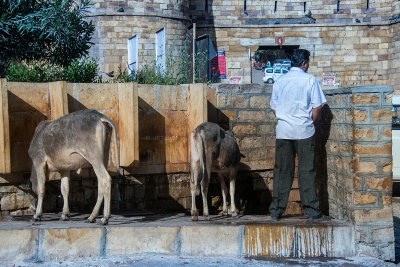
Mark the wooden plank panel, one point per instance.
(28, 105)
(22, 128)
(175, 136)
(58, 107)
(128, 123)
(28, 97)
(97, 96)
(5, 164)
(197, 108)
(197, 105)
(58, 100)
(101, 97)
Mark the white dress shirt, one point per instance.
(294, 96)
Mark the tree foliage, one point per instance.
(83, 70)
(55, 31)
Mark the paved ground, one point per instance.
(144, 218)
(257, 76)
(174, 261)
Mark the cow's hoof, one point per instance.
(88, 220)
(104, 221)
(36, 218)
(234, 215)
(64, 217)
(195, 215)
(207, 217)
(224, 213)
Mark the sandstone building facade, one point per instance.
(357, 42)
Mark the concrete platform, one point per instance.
(140, 232)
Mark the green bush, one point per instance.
(33, 71)
(79, 71)
(178, 69)
(82, 71)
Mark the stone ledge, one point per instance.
(126, 234)
(131, 12)
(360, 89)
(18, 245)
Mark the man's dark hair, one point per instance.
(300, 56)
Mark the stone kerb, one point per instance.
(360, 158)
(51, 243)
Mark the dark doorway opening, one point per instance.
(269, 58)
(273, 53)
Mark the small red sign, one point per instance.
(279, 40)
(218, 65)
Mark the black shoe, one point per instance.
(320, 218)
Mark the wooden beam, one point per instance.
(5, 158)
(197, 107)
(58, 100)
(128, 123)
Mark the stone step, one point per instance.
(246, 236)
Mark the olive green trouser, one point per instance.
(285, 155)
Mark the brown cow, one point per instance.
(77, 140)
(212, 149)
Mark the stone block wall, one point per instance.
(396, 7)
(353, 155)
(356, 55)
(166, 8)
(335, 130)
(394, 55)
(356, 44)
(359, 164)
(259, 12)
(245, 110)
(113, 29)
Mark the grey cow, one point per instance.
(77, 140)
(212, 149)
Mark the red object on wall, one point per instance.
(218, 65)
(279, 40)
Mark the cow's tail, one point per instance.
(198, 146)
(110, 122)
(202, 168)
(32, 190)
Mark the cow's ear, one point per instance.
(231, 133)
(222, 133)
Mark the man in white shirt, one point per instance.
(296, 101)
